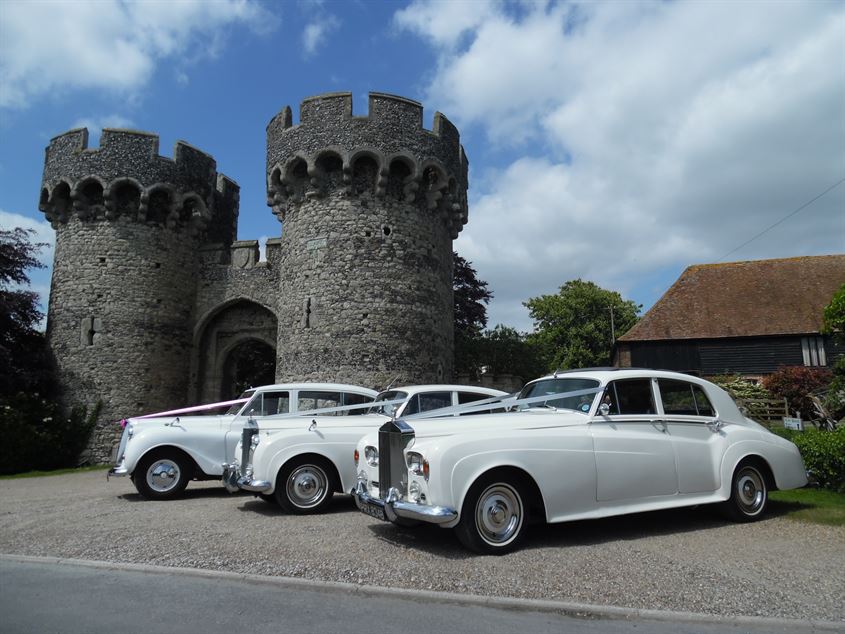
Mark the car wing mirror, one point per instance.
(604, 409)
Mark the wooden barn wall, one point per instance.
(753, 355)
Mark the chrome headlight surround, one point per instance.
(417, 465)
(253, 443)
(371, 455)
(130, 431)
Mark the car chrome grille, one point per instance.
(393, 437)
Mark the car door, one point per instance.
(634, 454)
(699, 447)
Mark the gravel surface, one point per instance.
(687, 560)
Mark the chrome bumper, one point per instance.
(234, 481)
(117, 470)
(394, 508)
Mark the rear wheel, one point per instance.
(749, 494)
(494, 516)
(162, 475)
(305, 485)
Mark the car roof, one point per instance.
(416, 389)
(607, 374)
(334, 387)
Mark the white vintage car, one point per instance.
(579, 445)
(163, 452)
(300, 463)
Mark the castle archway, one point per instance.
(227, 339)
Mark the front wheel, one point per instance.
(161, 475)
(305, 485)
(749, 494)
(493, 517)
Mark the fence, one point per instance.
(766, 411)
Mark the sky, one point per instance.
(615, 142)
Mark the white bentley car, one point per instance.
(301, 462)
(163, 452)
(578, 445)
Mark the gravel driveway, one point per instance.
(686, 560)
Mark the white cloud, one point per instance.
(108, 45)
(639, 140)
(444, 23)
(43, 232)
(316, 32)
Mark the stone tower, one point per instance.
(370, 206)
(129, 224)
(153, 299)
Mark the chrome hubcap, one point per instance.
(307, 486)
(163, 475)
(498, 514)
(750, 491)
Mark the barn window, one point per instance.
(812, 348)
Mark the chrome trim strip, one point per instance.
(394, 507)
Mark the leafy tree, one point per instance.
(573, 328)
(504, 350)
(23, 355)
(471, 299)
(834, 325)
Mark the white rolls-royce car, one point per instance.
(579, 445)
(300, 463)
(163, 452)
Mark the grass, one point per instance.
(816, 506)
(39, 474)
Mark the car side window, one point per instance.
(630, 396)
(428, 401)
(684, 399)
(471, 397)
(356, 399)
(318, 400)
(270, 403)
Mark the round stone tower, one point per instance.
(370, 206)
(128, 226)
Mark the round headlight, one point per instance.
(254, 442)
(371, 455)
(416, 463)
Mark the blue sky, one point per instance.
(617, 142)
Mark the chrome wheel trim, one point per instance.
(499, 514)
(163, 475)
(307, 486)
(750, 491)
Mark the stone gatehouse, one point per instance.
(153, 296)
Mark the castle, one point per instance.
(152, 294)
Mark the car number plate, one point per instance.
(373, 511)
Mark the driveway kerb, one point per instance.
(580, 610)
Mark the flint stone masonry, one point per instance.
(152, 292)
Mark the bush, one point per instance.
(740, 388)
(796, 384)
(37, 437)
(824, 455)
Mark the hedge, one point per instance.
(823, 453)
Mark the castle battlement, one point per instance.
(127, 177)
(406, 160)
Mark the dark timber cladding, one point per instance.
(152, 296)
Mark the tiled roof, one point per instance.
(744, 299)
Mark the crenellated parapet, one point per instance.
(126, 177)
(387, 153)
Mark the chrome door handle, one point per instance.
(715, 425)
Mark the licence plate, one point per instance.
(374, 511)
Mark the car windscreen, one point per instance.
(558, 386)
(387, 410)
(237, 407)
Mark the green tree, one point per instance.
(471, 297)
(834, 325)
(23, 355)
(504, 350)
(577, 327)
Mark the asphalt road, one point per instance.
(44, 597)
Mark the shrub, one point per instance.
(824, 455)
(796, 384)
(36, 436)
(740, 388)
